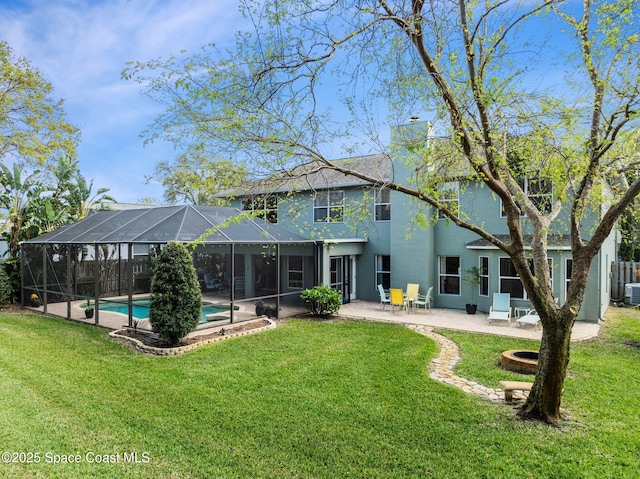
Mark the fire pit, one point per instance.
(520, 361)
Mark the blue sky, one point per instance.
(81, 47)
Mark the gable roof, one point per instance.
(169, 223)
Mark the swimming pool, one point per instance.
(141, 309)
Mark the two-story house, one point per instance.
(367, 236)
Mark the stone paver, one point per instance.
(442, 366)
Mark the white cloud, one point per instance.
(81, 47)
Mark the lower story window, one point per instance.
(449, 275)
(383, 271)
(296, 272)
(510, 281)
(484, 276)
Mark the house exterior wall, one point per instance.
(417, 251)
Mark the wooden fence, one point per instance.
(623, 272)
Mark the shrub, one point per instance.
(6, 289)
(322, 300)
(176, 302)
(10, 280)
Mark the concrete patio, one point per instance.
(456, 319)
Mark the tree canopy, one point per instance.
(197, 179)
(549, 89)
(33, 125)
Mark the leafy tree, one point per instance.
(196, 179)
(489, 72)
(33, 127)
(176, 302)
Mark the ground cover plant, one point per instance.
(307, 399)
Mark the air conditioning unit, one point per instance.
(632, 293)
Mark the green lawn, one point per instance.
(305, 400)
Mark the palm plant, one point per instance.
(16, 199)
(82, 199)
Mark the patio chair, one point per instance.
(210, 283)
(384, 298)
(501, 308)
(532, 317)
(412, 292)
(397, 300)
(424, 300)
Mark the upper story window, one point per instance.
(264, 207)
(328, 206)
(450, 197)
(383, 204)
(539, 191)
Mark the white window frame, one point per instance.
(484, 275)
(380, 271)
(448, 198)
(524, 184)
(444, 275)
(568, 268)
(382, 205)
(263, 207)
(524, 291)
(295, 284)
(334, 209)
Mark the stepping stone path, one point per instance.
(442, 366)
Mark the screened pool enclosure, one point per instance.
(104, 262)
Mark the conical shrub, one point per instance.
(176, 301)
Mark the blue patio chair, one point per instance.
(424, 300)
(501, 309)
(384, 299)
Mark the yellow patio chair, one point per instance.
(412, 291)
(397, 300)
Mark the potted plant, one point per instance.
(473, 278)
(271, 311)
(259, 307)
(88, 310)
(35, 300)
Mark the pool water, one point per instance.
(141, 309)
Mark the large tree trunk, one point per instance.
(543, 403)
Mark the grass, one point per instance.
(305, 400)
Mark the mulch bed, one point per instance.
(151, 339)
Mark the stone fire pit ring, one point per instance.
(522, 361)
